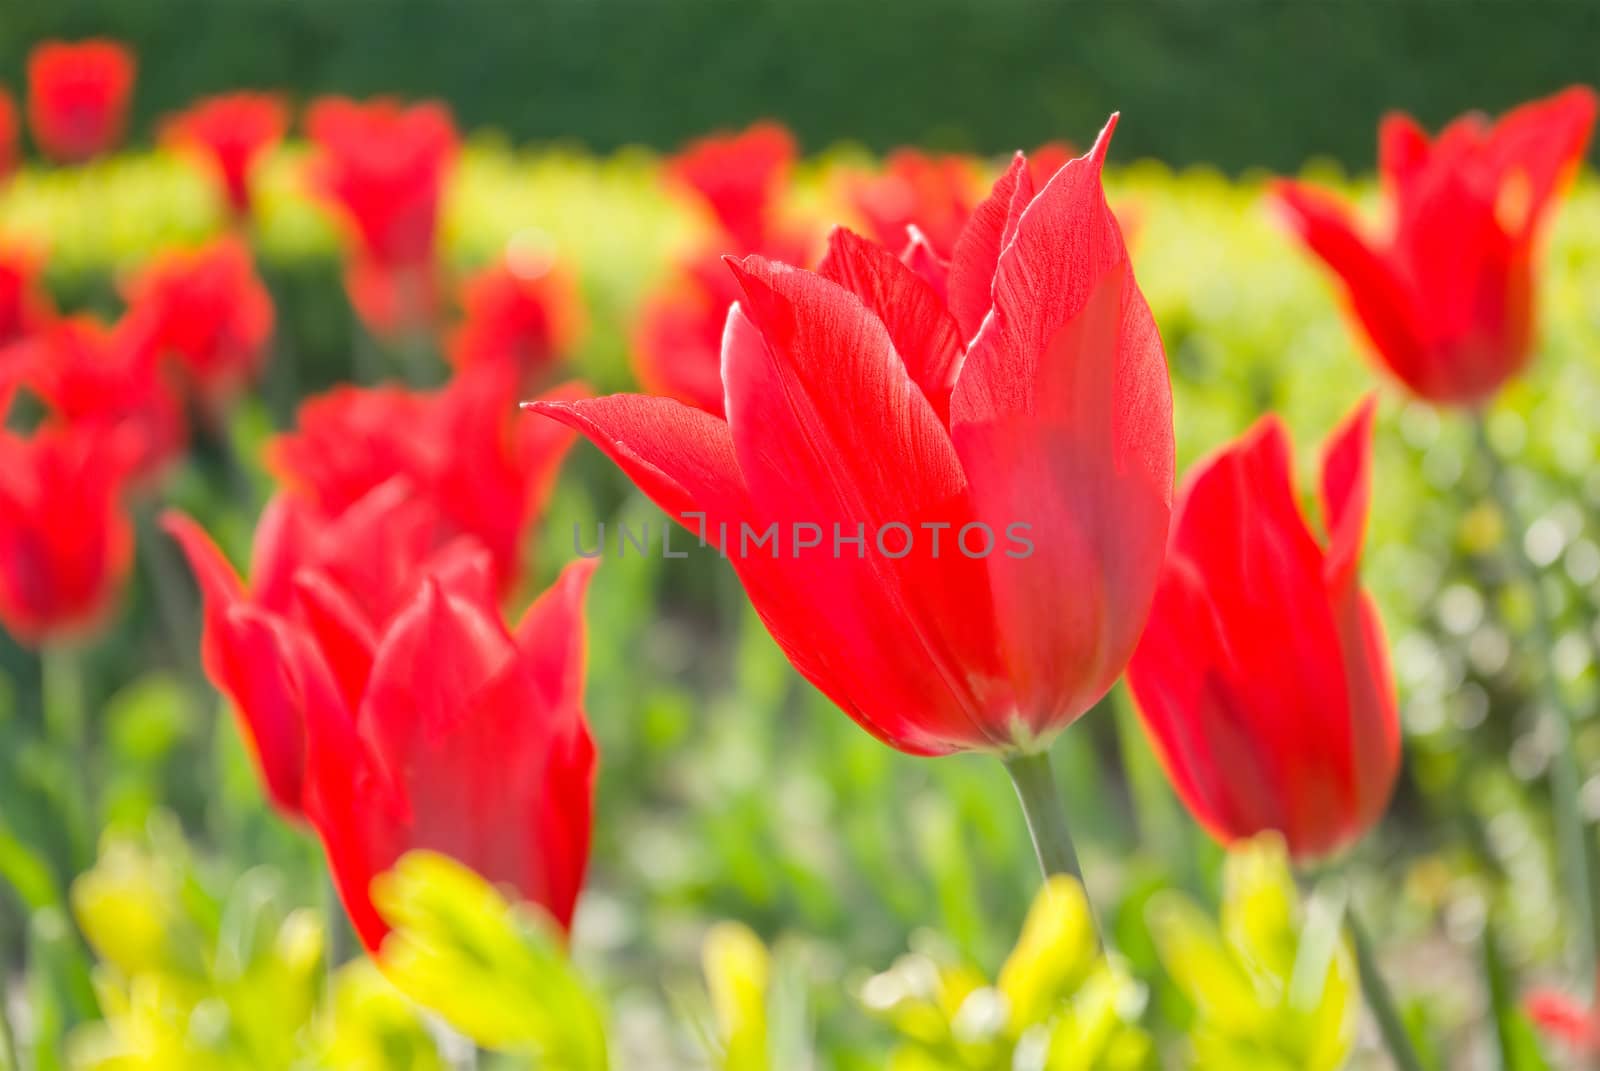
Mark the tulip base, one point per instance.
(1046, 816)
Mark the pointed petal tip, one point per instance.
(575, 576)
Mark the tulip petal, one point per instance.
(1403, 150)
(463, 644)
(1347, 493)
(1062, 416)
(920, 257)
(550, 634)
(681, 457)
(1383, 301)
(908, 648)
(992, 225)
(1202, 731)
(922, 330)
(1240, 527)
(257, 661)
(1541, 144)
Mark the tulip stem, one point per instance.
(1378, 997)
(1046, 816)
(62, 700)
(1566, 776)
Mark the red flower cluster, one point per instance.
(24, 307)
(1263, 677)
(65, 541)
(112, 398)
(78, 95)
(1447, 298)
(383, 166)
(230, 134)
(388, 705)
(858, 401)
(206, 311)
(739, 180)
(517, 314)
(484, 472)
(93, 376)
(934, 194)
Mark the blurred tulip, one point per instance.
(1047, 159)
(66, 543)
(935, 194)
(78, 96)
(1567, 1020)
(10, 152)
(205, 310)
(741, 178)
(92, 375)
(524, 316)
(676, 343)
(229, 134)
(461, 738)
(383, 166)
(1447, 297)
(854, 409)
(677, 340)
(485, 472)
(1263, 677)
(261, 645)
(24, 306)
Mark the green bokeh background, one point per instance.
(1236, 83)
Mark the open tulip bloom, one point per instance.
(1447, 296)
(988, 480)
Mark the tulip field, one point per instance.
(475, 605)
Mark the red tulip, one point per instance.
(260, 647)
(207, 311)
(1049, 158)
(1567, 1020)
(383, 166)
(78, 97)
(1035, 408)
(460, 737)
(66, 543)
(1446, 297)
(230, 133)
(935, 194)
(1263, 678)
(91, 375)
(485, 473)
(9, 152)
(677, 340)
(525, 316)
(24, 307)
(741, 178)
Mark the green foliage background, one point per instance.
(1237, 83)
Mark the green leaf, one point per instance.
(497, 972)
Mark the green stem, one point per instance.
(65, 725)
(1046, 817)
(1378, 997)
(1566, 777)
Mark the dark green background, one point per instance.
(1235, 83)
